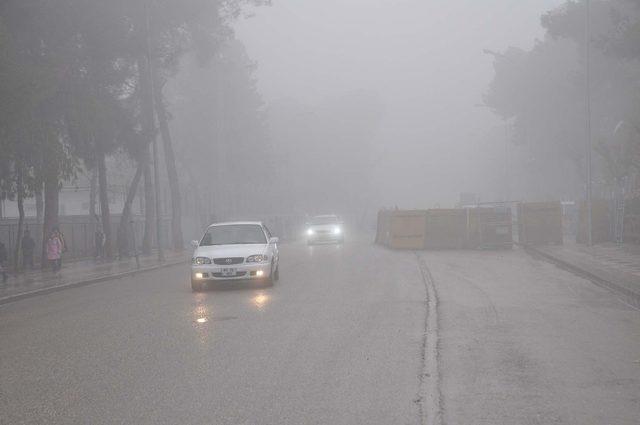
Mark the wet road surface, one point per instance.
(338, 340)
(523, 342)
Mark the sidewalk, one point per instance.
(78, 273)
(616, 267)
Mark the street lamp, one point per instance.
(587, 42)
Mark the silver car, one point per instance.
(325, 228)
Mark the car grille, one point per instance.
(238, 274)
(228, 261)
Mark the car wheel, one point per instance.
(271, 278)
(196, 286)
(276, 274)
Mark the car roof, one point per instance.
(229, 223)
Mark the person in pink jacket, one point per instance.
(54, 251)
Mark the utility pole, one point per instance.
(587, 42)
(507, 174)
(156, 174)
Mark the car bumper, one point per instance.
(208, 273)
(325, 237)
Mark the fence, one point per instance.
(79, 233)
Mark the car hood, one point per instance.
(223, 251)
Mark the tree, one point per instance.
(543, 91)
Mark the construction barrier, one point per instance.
(407, 229)
(600, 222)
(448, 229)
(495, 227)
(540, 223)
(466, 228)
(383, 228)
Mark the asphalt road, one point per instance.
(338, 340)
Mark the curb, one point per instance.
(86, 282)
(630, 297)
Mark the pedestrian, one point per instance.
(99, 242)
(3, 260)
(54, 251)
(28, 246)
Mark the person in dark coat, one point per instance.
(3, 260)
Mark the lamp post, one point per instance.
(587, 43)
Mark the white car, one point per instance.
(236, 251)
(325, 228)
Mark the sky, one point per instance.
(424, 58)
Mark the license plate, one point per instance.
(228, 272)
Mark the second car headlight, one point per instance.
(201, 260)
(258, 258)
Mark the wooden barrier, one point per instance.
(407, 229)
(448, 229)
(600, 222)
(495, 228)
(470, 228)
(540, 223)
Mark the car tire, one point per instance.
(276, 274)
(269, 281)
(196, 286)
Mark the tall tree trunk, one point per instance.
(103, 190)
(51, 199)
(170, 161)
(20, 195)
(149, 132)
(93, 189)
(124, 240)
(39, 202)
(149, 207)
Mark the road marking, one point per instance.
(429, 398)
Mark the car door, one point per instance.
(272, 247)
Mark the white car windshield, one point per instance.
(320, 220)
(234, 234)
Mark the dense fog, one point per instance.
(209, 110)
(419, 63)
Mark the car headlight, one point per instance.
(201, 260)
(337, 231)
(258, 258)
(310, 232)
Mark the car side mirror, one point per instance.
(194, 244)
(274, 240)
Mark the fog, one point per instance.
(210, 110)
(425, 62)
